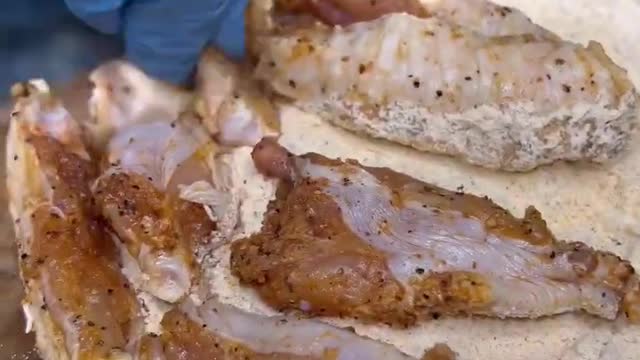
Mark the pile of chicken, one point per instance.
(116, 216)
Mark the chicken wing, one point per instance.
(342, 239)
(76, 298)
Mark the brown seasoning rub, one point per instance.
(71, 255)
(163, 222)
(307, 254)
(321, 262)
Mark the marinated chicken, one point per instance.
(152, 165)
(342, 239)
(76, 298)
(218, 331)
(466, 81)
(156, 200)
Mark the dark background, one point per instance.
(41, 38)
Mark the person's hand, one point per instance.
(165, 37)
(345, 12)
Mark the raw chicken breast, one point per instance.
(504, 102)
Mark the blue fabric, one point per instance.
(166, 37)
(103, 15)
(28, 15)
(42, 38)
(230, 36)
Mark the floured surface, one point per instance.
(597, 205)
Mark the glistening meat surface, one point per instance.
(346, 240)
(76, 298)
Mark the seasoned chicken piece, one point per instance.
(370, 243)
(219, 331)
(154, 167)
(502, 102)
(79, 304)
(162, 190)
(230, 104)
